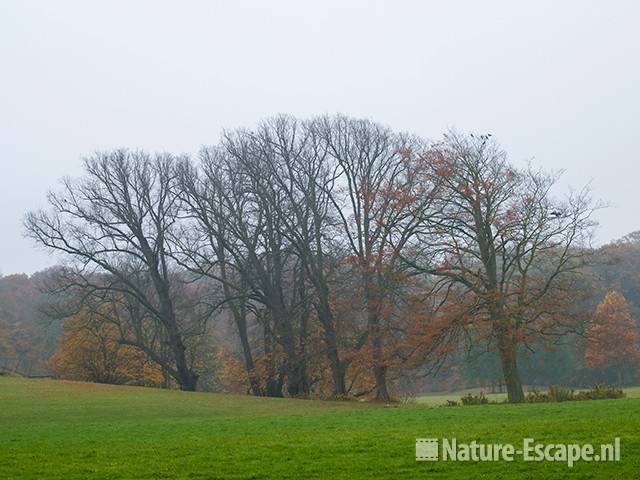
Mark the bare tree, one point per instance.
(116, 220)
(240, 242)
(202, 248)
(297, 161)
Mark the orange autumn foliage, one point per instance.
(231, 372)
(614, 338)
(90, 350)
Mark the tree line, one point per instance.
(345, 254)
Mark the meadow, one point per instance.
(73, 430)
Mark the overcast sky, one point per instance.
(554, 81)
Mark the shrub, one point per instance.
(554, 394)
(560, 394)
(470, 399)
(600, 392)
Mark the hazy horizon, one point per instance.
(555, 83)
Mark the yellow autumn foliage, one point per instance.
(90, 350)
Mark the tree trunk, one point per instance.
(373, 323)
(338, 370)
(381, 391)
(273, 382)
(186, 378)
(254, 382)
(241, 324)
(301, 351)
(296, 382)
(379, 369)
(294, 366)
(240, 317)
(295, 371)
(508, 358)
(273, 387)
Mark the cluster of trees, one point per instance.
(346, 256)
(607, 352)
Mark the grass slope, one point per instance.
(69, 430)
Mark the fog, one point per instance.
(555, 83)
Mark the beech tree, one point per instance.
(90, 350)
(376, 199)
(613, 340)
(500, 240)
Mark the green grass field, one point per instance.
(69, 430)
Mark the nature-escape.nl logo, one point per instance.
(431, 449)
